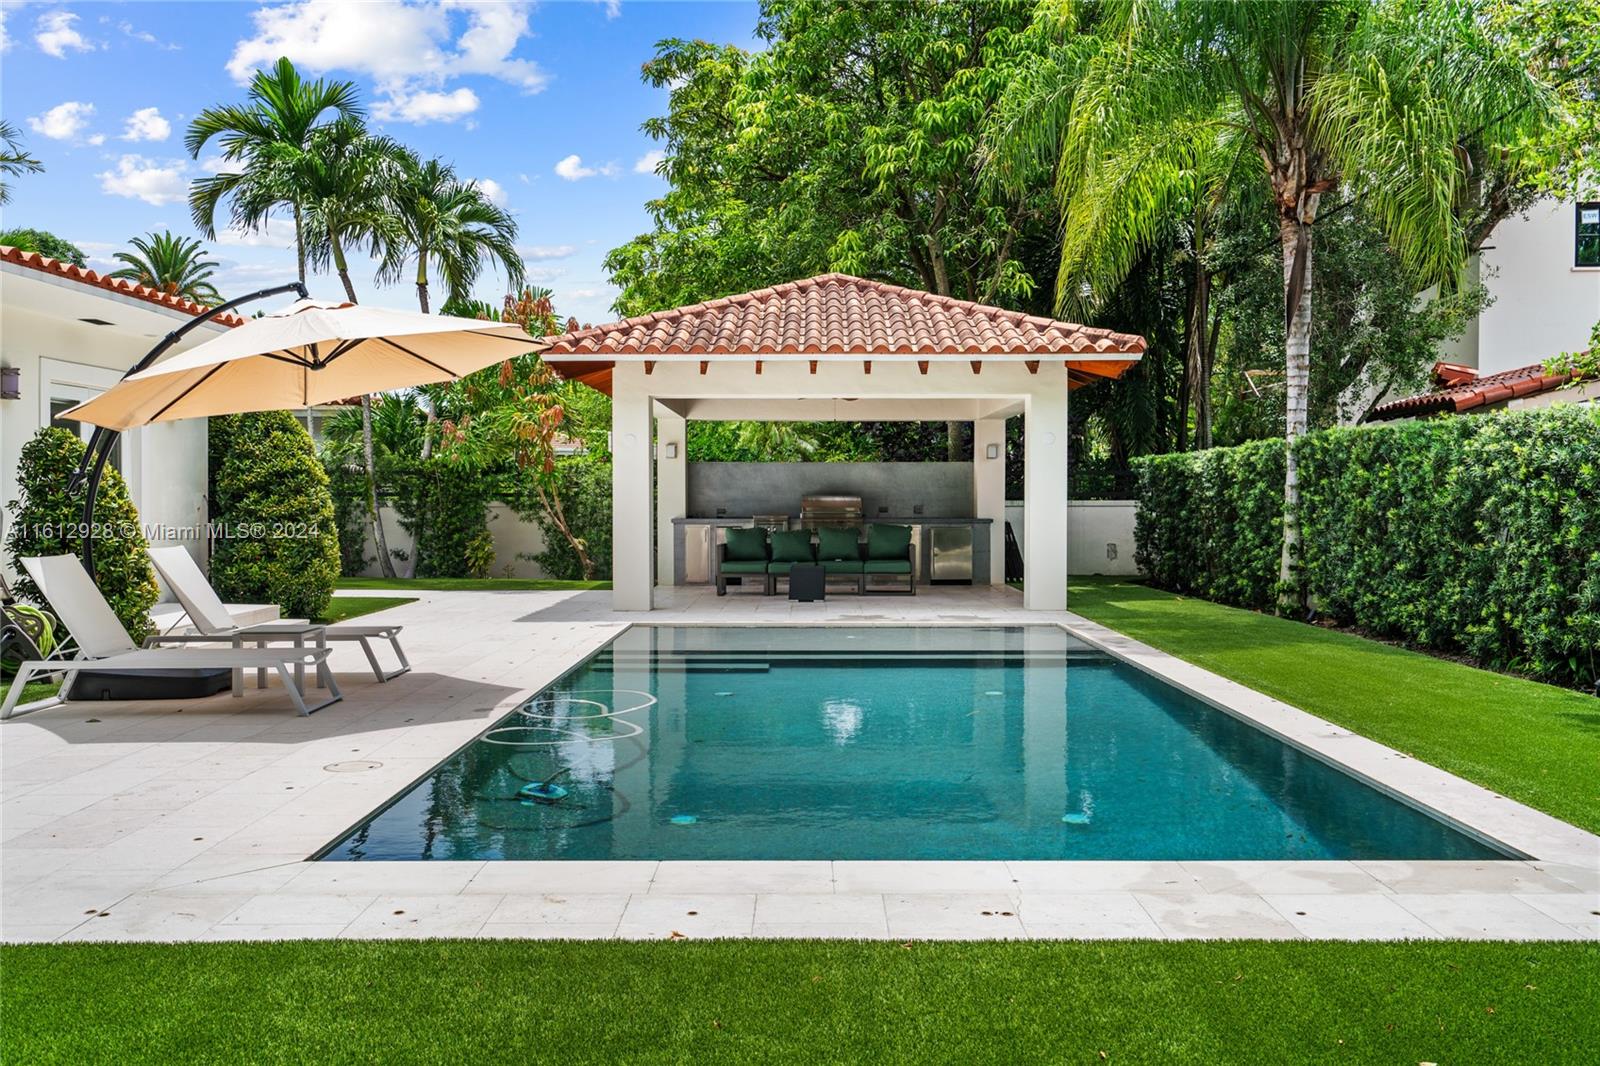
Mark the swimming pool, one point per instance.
(846, 742)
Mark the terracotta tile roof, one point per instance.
(45, 265)
(1459, 388)
(840, 313)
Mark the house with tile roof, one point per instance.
(839, 348)
(71, 333)
(1461, 389)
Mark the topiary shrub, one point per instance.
(46, 519)
(274, 536)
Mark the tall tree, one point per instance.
(261, 137)
(1374, 97)
(14, 159)
(173, 264)
(342, 177)
(450, 227)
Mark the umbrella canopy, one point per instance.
(308, 353)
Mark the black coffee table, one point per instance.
(807, 582)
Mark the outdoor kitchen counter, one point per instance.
(694, 538)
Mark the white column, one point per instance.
(630, 490)
(672, 487)
(1044, 479)
(989, 489)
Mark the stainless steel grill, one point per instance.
(835, 512)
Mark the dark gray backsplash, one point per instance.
(944, 490)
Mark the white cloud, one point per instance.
(146, 36)
(96, 139)
(215, 164)
(146, 124)
(547, 251)
(274, 233)
(5, 38)
(425, 106)
(613, 9)
(648, 162)
(62, 122)
(412, 51)
(493, 190)
(149, 180)
(543, 275)
(55, 35)
(572, 169)
(582, 294)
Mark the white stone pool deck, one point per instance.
(193, 820)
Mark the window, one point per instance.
(1587, 237)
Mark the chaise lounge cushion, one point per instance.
(746, 545)
(839, 544)
(792, 546)
(888, 566)
(888, 542)
(744, 566)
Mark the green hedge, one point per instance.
(444, 507)
(584, 484)
(1473, 535)
(276, 540)
(46, 519)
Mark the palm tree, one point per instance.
(341, 177)
(450, 226)
(173, 264)
(1373, 98)
(261, 136)
(14, 159)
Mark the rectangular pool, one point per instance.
(883, 743)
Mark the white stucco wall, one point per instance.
(1099, 535)
(1543, 305)
(57, 354)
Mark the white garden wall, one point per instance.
(1099, 535)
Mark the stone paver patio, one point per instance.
(193, 820)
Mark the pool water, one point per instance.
(883, 743)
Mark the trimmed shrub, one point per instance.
(349, 489)
(444, 506)
(46, 519)
(274, 539)
(1475, 535)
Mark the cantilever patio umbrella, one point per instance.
(310, 352)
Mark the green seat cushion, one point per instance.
(888, 542)
(744, 566)
(841, 566)
(838, 544)
(792, 546)
(746, 544)
(888, 566)
(786, 565)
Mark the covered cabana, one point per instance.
(839, 348)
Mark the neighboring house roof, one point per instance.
(838, 314)
(83, 275)
(1459, 388)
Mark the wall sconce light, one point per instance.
(672, 449)
(992, 451)
(10, 383)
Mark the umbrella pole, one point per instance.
(95, 456)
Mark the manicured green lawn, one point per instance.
(1535, 743)
(344, 608)
(470, 584)
(801, 1001)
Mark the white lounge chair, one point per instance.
(103, 643)
(210, 616)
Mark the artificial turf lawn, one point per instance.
(344, 608)
(830, 1001)
(470, 584)
(1536, 743)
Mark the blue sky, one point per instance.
(541, 102)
